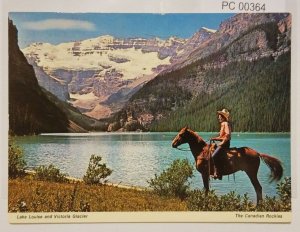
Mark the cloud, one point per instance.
(59, 24)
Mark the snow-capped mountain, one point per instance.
(99, 75)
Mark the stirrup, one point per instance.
(216, 175)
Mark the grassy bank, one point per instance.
(29, 195)
(26, 194)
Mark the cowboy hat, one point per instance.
(224, 113)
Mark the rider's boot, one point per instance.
(217, 174)
(214, 175)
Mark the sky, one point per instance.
(56, 28)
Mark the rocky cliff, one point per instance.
(32, 109)
(237, 28)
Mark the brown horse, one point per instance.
(235, 159)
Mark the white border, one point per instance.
(146, 6)
(134, 6)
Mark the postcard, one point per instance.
(144, 116)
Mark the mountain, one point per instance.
(244, 66)
(99, 75)
(162, 85)
(229, 32)
(32, 109)
(191, 44)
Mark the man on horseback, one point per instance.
(224, 138)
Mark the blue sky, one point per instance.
(56, 28)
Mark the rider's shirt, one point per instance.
(225, 131)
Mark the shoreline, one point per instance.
(101, 133)
(74, 179)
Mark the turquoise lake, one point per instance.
(137, 157)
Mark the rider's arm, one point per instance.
(217, 138)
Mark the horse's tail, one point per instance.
(275, 166)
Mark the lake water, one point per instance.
(136, 157)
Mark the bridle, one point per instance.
(182, 149)
(186, 149)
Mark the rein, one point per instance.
(183, 149)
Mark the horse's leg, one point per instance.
(202, 168)
(205, 178)
(258, 189)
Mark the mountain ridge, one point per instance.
(208, 78)
(105, 66)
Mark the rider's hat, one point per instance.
(224, 113)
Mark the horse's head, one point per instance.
(181, 137)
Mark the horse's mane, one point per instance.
(198, 137)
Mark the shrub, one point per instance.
(198, 200)
(97, 171)
(21, 206)
(282, 202)
(16, 162)
(50, 173)
(174, 180)
(235, 202)
(284, 189)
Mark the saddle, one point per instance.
(228, 153)
(225, 157)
